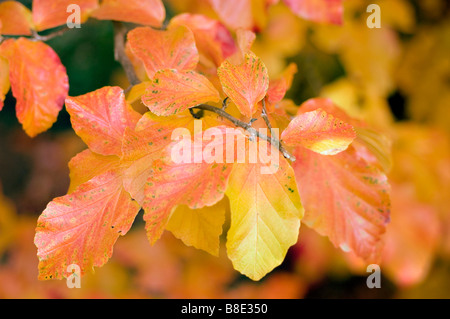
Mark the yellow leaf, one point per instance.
(265, 216)
(200, 228)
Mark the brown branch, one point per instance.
(37, 37)
(120, 32)
(248, 127)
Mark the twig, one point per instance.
(37, 37)
(225, 103)
(120, 31)
(246, 126)
(266, 119)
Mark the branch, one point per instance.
(120, 31)
(264, 116)
(246, 126)
(37, 37)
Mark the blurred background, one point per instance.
(396, 78)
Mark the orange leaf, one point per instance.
(81, 228)
(100, 119)
(15, 18)
(146, 143)
(4, 80)
(195, 184)
(328, 11)
(87, 165)
(213, 40)
(34, 68)
(320, 132)
(173, 91)
(158, 50)
(50, 13)
(244, 39)
(246, 84)
(344, 199)
(279, 87)
(235, 14)
(346, 196)
(146, 12)
(142, 146)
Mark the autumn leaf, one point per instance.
(15, 18)
(345, 196)
(82, 227)
(146, 12)
(212, 38)
(245, 84)
(235, 14)
(158, 50)
(265, 215)
(244, 41)
(4, 80)
(140, 148)
(49, 13)
(33, 68)
(87, 165)
(136, 92)
(177, 178)
(200, 228)
(320, 132)
(173, 91)
(278, 87)
(100, 119)
(8, 221)
(328, 11)
(412, 238)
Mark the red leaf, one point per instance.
(100, 119)
(212, 38)
(81, 228)
(328, 11)
(15, 18)
(146, 12)
(50, 13)
(158, 50)
(173, 91)
(320, 132)
(246, 84)
(34, 68)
